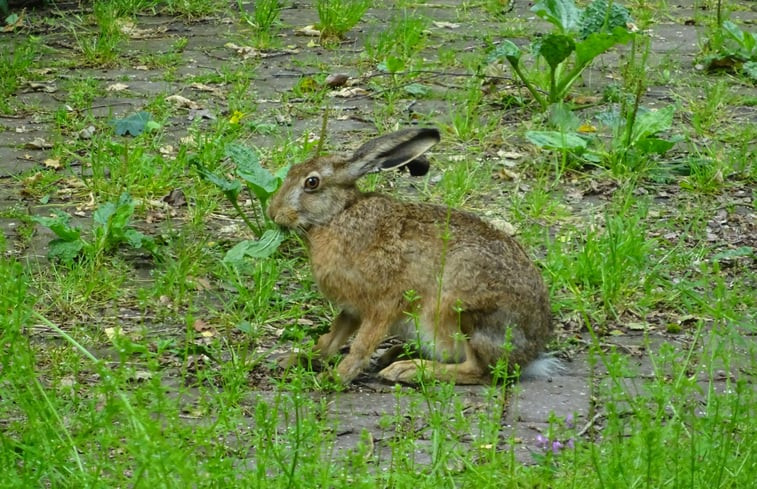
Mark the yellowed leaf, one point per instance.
(113, 333)
(308, 30)
(116, 87)
(52, 163)
(587, 128)
(181, 101)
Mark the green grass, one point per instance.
(125, 368)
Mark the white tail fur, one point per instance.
(543, 367)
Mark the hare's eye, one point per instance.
(312, 183)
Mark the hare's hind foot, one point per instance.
(408, 371)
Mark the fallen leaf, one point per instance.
(113, 333)
(308, 30)
(130, 29)
(166, 150)
(184, 102)
(585, 128)
(349, 92)
(141, 375)
(52, 163)
(47, 87)
(86, 133)
(506, 174)
(446, 25)
(207, 88)
(38, 143)
(244, 51)
(200, 325)
(116, 87)
(13, 22)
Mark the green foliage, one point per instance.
(264, 20)
(579, 34)
(337, 17)
(111, 229)
(134, 124)
(260, 183)
(733, 49)
(632, 138)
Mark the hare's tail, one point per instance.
(545, 366)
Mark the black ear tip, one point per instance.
(430, 132)
(419, 166)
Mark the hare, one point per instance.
(443, 277)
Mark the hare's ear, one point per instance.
(392, 150)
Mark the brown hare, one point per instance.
(425, 273)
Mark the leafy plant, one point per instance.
(111, 229)
(260, 183)
(734, 50)
(134, 124)
(579, 35)
(631, 138)
(264, 19)
(336, 17)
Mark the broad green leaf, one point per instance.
(261, 248)
(122, 216)
(134, 124)
(555, 48)
(507, 50)
(417, 89)
(750, 68)
(103, 213)
(734, 253)
(230, 188)
(655, 145)
(746, 40)
(60, 226)
(561, 117)
(137, 240)
(596, 18)
(562, 13)
(260, 181)
(281, 173)
(598, 43)
(650, 122)
(63, 250)
(556, 140)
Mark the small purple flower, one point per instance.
(556, 447)
(541, 442)
(569, 444)
(569, 422)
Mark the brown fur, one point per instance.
(476, 285)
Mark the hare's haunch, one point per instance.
(476, 296)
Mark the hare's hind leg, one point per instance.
(469, 371)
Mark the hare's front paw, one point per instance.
(405, 371)
(349, 368)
